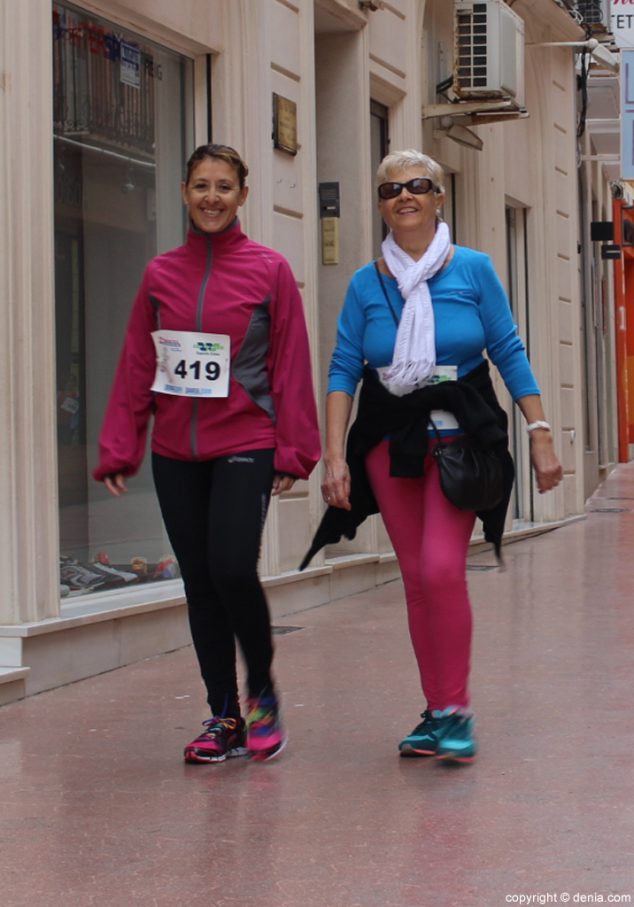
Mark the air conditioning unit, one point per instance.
(489, 51)
(593, 12)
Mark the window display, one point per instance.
(123, 126)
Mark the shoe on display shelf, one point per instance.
(139, 565)
(124, 577)
(80, 578)
(167, 568)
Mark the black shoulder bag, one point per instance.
(471, 477)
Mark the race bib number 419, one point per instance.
(192, 365)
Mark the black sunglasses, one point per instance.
(420, 185)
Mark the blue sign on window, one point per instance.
(627, 114)
(130, 65)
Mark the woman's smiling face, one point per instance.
(409, 211)
(213, 195)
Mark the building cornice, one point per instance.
(547, 20)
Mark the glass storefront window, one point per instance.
(123, 127)
(379, 146)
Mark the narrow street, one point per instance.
(99, 809)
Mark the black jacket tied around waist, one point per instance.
(405, 420)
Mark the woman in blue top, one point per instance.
(421, 315)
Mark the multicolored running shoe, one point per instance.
(266, 737)
(222, 739)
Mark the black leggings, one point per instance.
(214, 513)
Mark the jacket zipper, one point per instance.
(199, 327)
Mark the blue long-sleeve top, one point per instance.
(471, 313)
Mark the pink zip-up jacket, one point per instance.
(219, 283)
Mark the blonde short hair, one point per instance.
(402, 160)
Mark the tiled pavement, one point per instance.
(97, 808)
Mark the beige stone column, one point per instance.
(29, 578)
(268, 47)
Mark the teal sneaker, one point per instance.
(446, 734)
(423, 740)
(455, 736)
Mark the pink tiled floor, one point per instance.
(97, 807)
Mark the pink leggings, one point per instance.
(430, 538)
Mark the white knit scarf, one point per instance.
(414, 357)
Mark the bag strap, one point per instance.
(387, 298)
(435, 428)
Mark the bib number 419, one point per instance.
(192, 364)
(211, 370)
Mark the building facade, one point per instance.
(102, 102)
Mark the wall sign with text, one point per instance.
(622, 22)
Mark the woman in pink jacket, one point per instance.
(217, 352)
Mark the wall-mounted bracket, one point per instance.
(467, 108)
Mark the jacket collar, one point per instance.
(225, 241)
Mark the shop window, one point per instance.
(379, 147)
(448, 211)
(517, 284)
(122, 131)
